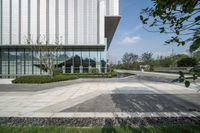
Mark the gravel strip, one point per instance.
(83, 122)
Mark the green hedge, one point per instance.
(43, 79)
(187, 62)
(196, 70)
(37, 79)
(97, 75)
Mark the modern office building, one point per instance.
(81, 29)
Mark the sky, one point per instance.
(131, 37)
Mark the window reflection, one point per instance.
(85, 61)
(4, 63)
(93, 58)
(17, 62)
(77, 61)
(12, 63)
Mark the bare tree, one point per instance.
(147, 56)
(48, 58)
(129, 58)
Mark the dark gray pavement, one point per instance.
(139, 103)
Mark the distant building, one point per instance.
(84, 27)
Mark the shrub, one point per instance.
(97, 75)
(57, 72)
(43, 79)
(196, 70)
(187, 62)
(94, 70)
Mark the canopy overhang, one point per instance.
(111, 23)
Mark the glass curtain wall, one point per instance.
(18, 62)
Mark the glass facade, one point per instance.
(17, 61)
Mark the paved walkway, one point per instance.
(6, 81)
(126, 97)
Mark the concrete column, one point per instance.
(20, 14)
(38, 20)
(29, 20)
(90, 67)
(81, 69)
(47, 21)
(106, 70)
(72, 69)
(75, 21)
(1, 22)
(63, 69)
(57, 21)
(10, 32)
(0, 63)
(66, 21)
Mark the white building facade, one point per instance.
(84, 28)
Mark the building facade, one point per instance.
(82, 29)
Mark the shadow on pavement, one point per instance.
(130, 102)
(155, 102)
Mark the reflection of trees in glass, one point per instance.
(77, 61)
(47, 54)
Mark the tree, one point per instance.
(196, 55)
(129, 58)
(181, 18)
(47, 60)
(147, 56)
(187, 62)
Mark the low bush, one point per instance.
(43, 79)
(94, 70)
(196, 70)
(187, 62)
(57, 72)
(40, 79)
(97, 75)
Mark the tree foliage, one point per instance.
(48, 58)
(169, 61)
(196, 55)
(129, 58)
(147, 56)
(187, 62)
(181, 18)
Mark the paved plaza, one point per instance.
(131, 96)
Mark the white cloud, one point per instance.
(131, 40)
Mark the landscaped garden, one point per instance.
(40, 79)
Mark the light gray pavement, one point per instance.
(122, 97)
(6, 81)
(152, 74)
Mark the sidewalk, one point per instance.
(130, 100)
(6, 81)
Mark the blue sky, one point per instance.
(131, 37)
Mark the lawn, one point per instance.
(65, 129)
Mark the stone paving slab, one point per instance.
(139, 103)
(101, 114)
(6, 81)
(98, 99)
